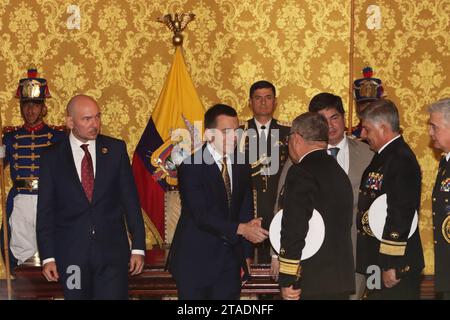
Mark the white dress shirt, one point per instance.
(390, 141)
(218, 159)
(266, 130)
(343, 154)
(78, 155)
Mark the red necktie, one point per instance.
(87, 173)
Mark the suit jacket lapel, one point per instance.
(353, 155)
(235, 183)
(71, 168)
(100, 158)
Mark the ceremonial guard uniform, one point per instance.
(441, 227)
(365, 90)
(23, 148)
(265, 174)
(396, 173)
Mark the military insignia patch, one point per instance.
(445, 185)
(365, 224)
(395, 235)
(374, 181)
(446, 229)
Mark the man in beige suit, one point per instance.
(352, 155)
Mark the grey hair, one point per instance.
(312, 126)
(382, 110)
(441, 106)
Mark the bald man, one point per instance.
(87, 199)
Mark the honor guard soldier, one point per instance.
(440, 135)
(24, 145)
(264, 144)
(365, 90)
(396, 250)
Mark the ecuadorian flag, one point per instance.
(154, 168)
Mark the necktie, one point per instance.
(87, 173)
(262, 141)
(226, 179)
(333, 152)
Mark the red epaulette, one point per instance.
(10, 129)
(59, 128)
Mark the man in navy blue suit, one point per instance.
(212, 240)
(86, 203)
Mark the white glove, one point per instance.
(2, 151)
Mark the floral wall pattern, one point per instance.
(115, 51)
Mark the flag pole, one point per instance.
(350, 66)
(5, 222)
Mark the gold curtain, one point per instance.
(115, 51)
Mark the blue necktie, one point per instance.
(333, 152)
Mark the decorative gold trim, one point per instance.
(392, 250)
(34, 136)
(26, 178)
(395, 243)
(365, 224)
(31, 146)
(446, 229)
(32, 167)
(291, 269)
(291, 261)
(154, 232)
(33, 156)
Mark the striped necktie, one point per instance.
(226, 179)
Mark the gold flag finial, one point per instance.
(177, 24)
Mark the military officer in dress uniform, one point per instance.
(264, 144)
(440, 135)
(23, 146)
(393, 171)
(365, 90)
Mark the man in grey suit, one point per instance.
(352, 155)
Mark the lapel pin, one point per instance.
(104, 150)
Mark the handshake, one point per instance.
(252, 231)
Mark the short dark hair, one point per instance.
(262, 84)
(39, 102)
(325, 100)
(312, 126)
(382, 110)
(217, 110)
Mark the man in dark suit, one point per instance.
(440, 134)
(315, 181)
(87, 200)
(393, 171)
(211, 241)
(266, 152)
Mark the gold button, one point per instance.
(434, 213)
(446, 200)
(434, 199)
(434, 228)
(435, 242)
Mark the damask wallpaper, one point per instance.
(116, 51)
